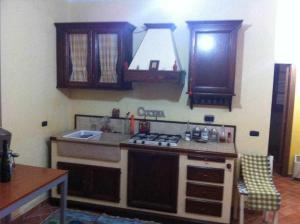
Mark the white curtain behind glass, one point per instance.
(108, 57)
(79, 48)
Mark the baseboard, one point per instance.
(129, 213)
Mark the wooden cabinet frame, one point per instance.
(122, 29)
(212, 73)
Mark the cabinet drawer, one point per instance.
(214, 175)
(204, 191)
(203, 207)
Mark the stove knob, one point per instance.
(143, 142)
(134, 141)
(168, 144)
(159, 143)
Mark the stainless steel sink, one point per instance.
(84, 134)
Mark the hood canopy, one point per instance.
(156, 58)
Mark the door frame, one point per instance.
(287, 119)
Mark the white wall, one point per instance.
(28, 68)
(28, 76)
(254, 72)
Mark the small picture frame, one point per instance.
(153, 66)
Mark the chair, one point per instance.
(242, 194)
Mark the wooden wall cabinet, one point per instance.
(102, 183)
(92, 55)
(212, 62)
(153, 180)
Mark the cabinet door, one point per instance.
(105, 184)
(94, 182)
(108, 64)
(78, 178)
(74, 58)
(153, 180)
(212, 67)
(92, 55)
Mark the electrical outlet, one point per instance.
(209, 118)
(44, 123)
(254, 133)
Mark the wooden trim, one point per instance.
(230, 24)
(216, 159)
(103, 25)
(129, 213)
(171, 26)
(176, 150)
(153, 76)
(288, 125)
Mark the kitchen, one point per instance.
(37, 98)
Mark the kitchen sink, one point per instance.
(84, 134)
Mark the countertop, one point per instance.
(113, 139)
(186, 147)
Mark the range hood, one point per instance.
(156, 59)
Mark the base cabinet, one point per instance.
(94, 182)
(153, 180)
(152, 185)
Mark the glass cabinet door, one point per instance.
(107, 56)
(78, 64)
(78, 57)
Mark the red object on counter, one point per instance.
(132, 125)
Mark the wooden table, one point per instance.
(29, 182)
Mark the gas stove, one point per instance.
(155, 139)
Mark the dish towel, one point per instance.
(262, 193)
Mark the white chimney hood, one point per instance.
(156, 59)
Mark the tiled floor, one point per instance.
(288, 214)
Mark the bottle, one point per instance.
(204, 134)
(5, 164)
(222, 135)
(229, 137)
(187, 133)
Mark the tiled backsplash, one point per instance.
(88, 122)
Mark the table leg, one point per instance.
(6, 219)
(63, 200)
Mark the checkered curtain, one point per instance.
(79, 45)
(108, 56)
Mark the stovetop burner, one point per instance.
(155, 139)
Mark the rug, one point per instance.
(80, 217)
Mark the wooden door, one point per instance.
(102, 183)
(105, 184)
(153, 180)
(282, 116)
(78, 178)
(212, 58)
